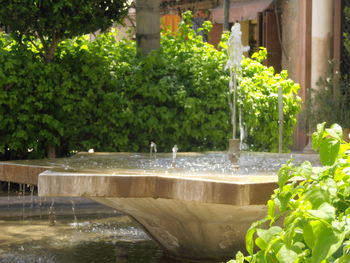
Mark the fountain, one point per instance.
(199, 209)
(195, 205)
(235, 51)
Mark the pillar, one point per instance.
(322, 39)
(147, 25)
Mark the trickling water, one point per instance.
(73, 210)
(39, 205)
(31, 187)
(8, 194)
(23, 203)
(52, 216)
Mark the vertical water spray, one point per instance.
(175, 149)
(235, 51)
(153, 149)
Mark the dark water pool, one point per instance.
(27, 236)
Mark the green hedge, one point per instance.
(258, 97)
(101, 95)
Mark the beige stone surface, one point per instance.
(191, 229)
(21, 173)
(191, 217)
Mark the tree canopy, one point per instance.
(52, 21)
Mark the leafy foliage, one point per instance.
(258, 98)
(307, 221)
(101, 95)
(54, 21)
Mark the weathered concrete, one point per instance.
(21, 173)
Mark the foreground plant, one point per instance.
(308, 219)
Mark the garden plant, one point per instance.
(308, 218)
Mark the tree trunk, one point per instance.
(51, 151)
(147, 25)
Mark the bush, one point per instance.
(101, 95)
(307, 221)
(258, 98)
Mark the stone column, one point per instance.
(296, 55)
(147, 25)
(322, 39)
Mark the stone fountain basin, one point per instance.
(197, 215)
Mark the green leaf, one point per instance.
(327, 241)
(335, 131)
(271, 209)
(309, 236)
(304, 170)
(316, 196)
(343, 259)
(249, 240)
(317, 136)
(329, 149)
(268, 234)
(285, 255)
(325, 211)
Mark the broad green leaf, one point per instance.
(239, 257)
(249, 240)
(329, 149)
(262, 245)
(316, 196)
(327, 241)
(317, 136)
(285, 255)
(343, 259)
(309, 236)
(335, 131)
(268, 234)
(305, 170)
(271, 209)
(325, 211)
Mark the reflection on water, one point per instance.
(111, 239)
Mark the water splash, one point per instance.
(235, 51)
(153, 149)
(175, 149)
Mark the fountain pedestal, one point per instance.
(190, 217)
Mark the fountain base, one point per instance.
(190, 217)
(190, 229)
